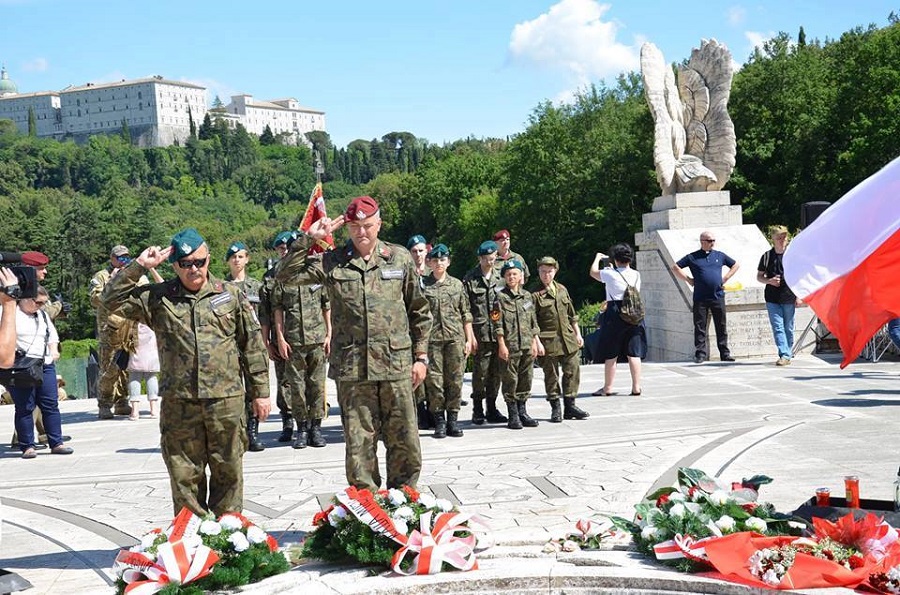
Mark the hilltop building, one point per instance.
(157, 111)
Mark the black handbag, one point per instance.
(121, 359)
(26, 372)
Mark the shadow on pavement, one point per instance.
(857, 403)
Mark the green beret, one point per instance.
(439, 251)
(286, 237)
(184, 243)
(416, 239)
(548, 261)
(234, 249)
(511, 264)
(487, 247)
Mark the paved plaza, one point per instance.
(806, 425)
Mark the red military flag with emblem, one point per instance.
(315, 210)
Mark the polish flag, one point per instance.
(315, 210)
(846, 264)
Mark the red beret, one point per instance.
(35, 259)
(501, 235)
(361, 207)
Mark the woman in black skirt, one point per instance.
(618, 338)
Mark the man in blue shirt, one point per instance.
(709, 293)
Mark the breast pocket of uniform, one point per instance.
(346, 287)
(173, 319)
(224, 315)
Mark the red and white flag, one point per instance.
(315, 210)
(846, 264)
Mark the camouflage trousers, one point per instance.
(200, 433)
(281, 400)
(303, 382)
(113, 380)
(486, 373)
(517, 375)
(571, 374)
(383, 410)
(443, 384)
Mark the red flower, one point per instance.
(662, 500)
(856, 561)
(692, 491)
(272, 543)
(411, 493)
(749, 506)
(383, 493)
(322, 516)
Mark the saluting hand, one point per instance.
(324, 226)
(153, 256)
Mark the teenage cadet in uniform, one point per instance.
(482, 284)
(302, 317)
(379, 318)
(517, 344)
(561, 338)
(418, 249)
(206, 331)
(504, 255)
(237, 256)
(452, 340)
(114, 385)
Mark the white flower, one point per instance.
(677, 511)
(676, 496)
(210, 528)
(570, 546)
(404, 512)
(147, 541)
(401, 526)
(255, 534)
(718, 498)
(770, 577)
(725, 523)
(693, 508)
(756, 524)
(551, 547)
(427, 500)
(336, 514)
(230, 522)
(649, 533)
(444, 504)
(239, 541)
(397, 497)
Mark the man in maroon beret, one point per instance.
(504, 254)
(39, 260)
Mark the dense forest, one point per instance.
(813, 118)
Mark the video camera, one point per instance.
(26, 276)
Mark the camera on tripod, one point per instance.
(26, 277)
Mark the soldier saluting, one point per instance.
(381, 325)
(206, 329)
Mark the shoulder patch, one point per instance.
(385, 252)
(495, 314)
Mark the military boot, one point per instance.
(453, 428)
(493, 415)
(527, 420)
(440, 425)
(122, 408)
(287, 428)
(555, 411)
(301, 437)
(513, 422)
(477, 411)
(316, 440)
(571, 410)
(105, 412)
(253, 435)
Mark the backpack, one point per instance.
(632, 310)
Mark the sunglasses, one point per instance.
(39, 303)
(197, 262)
(710, 241)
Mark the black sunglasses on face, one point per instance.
(198, 262)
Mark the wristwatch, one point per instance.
(422, 359)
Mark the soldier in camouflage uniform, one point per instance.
(482, 284)
(302, 316)
(561, 337)
(237, 256)
(206, 330)
(452, 340)
(418, 249)
(518, 344)
(113, 381)
(379, 316)
(504, 254)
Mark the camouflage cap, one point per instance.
(184, 243)
(439, 251)
(234, 248)
(119, 250)
(487, 247)
(416, 239)
(548, 261)
(361, 207)
(511, 264)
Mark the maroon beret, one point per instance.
(501, 235)
(35, 259)
(361, 207)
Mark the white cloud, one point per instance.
(572, 37)
(213, 88)
(36, 65)
(736, 15)
(757, 39)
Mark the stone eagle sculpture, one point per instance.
(694, 141)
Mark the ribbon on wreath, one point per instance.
(432, 547)
(176, 562)
(682, 546)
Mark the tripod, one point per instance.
(812, 325)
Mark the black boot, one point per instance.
(253, 435)
(493, 415)
(301, 437)
(527, 420)
(571, 411)
(477, 411)
(424, 417)
(287, 428)
(513, 410)
(453, 428)
(555, 411)
(316, 440)
(440, 425)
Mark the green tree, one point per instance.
(32, 122)
(267, 138)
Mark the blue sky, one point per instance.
(442, 70)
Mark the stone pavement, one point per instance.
(806, 425)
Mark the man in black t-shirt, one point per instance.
(780, 300)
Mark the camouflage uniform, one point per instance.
(486, 376)
(518, 327)
(110, 335)
(304, 329)
(555, 316)
(266, 320)
(450, 311)
(498, 264)
(251, 288)
(203, 338)
(379, 316)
